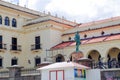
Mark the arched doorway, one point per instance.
(95, 55)
(113, 57)
(60, 58)
(114, 53)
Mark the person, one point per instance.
(79, 73)
(109, 61)
(77, 40)
(113, 63)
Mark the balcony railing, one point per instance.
(102, 65)
(36, 47)
(15, 47)
(3, 46)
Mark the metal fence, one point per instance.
(30, 71)
(33, 77)
(105, 65)
(4, 74)
(26, 74)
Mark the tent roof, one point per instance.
(64, 65)
(85, 59)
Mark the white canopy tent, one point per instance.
(60, 71)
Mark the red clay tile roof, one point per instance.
(94, 40)
(88, 41)
(62, 45)
(115, 37)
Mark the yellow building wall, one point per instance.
(51, 34)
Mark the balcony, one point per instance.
(2, 47)
(36, 47)
(15, 48)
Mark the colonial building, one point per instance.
(28, 37)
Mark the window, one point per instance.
(85, 36)
(102, 33)
(37, 61)
(14, 43)
(14, 23)
(69, 38)
(14, 61)
(36, 45)
(7, 22)
(37, 42)
(1, 62)
(0, 19)
(0, 42)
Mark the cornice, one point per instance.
(11, 30)
(20, 8)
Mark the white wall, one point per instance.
(55, 37)
(68, 74)
(44, 75)
(93, 74)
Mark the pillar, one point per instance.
(15, 72)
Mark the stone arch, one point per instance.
(59, 58)
(95, 55)
(113, 52)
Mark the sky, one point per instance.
(80, 11)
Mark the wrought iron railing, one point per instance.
(24, 72)
(4, 74)
(15, 47)
(3, 46)
(36, 46)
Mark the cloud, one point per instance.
(38, 5)
(81, 10)
(85, 10)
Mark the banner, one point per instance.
(80, 74)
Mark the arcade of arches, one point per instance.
(95, 55)
(113, 53)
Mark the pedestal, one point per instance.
(76, 56)
(15, 72)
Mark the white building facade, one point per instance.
(28, 37)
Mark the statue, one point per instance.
(77, 40)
